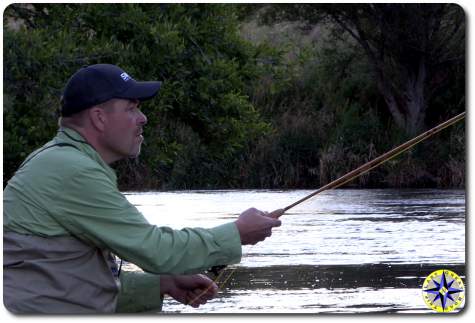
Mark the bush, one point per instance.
(194, 49)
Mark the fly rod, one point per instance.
(349, 177)
(373, 163)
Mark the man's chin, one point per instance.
(135, 153)
(132, 156)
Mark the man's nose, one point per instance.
(142, 120)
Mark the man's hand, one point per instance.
(255, 226)
(187, 289)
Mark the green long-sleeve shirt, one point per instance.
(71, 191)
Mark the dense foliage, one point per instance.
(242, 105)
(413, 50)
(201, 124)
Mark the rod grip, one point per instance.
(277, 213)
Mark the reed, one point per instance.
(374, 163)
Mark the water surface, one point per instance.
(343, 251)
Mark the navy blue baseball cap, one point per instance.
(95, 84)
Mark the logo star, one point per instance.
(443, 290)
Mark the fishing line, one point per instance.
(349, 177)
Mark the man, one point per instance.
(64, 216)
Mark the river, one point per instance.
(343, 251)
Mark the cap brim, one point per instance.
(141, 91)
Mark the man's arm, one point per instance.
(92, 209)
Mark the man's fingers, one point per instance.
(252, 225)
(277, 223)
(205, 283)
(193, 299)
(213, 291)
(210, 291)
(198, 297)
(268, 233)
(272, 223)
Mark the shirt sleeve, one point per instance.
(139, 292)
(92, 208)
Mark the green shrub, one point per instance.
(195, 50)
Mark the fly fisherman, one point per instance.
(64, 216)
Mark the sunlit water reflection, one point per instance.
(344, 251)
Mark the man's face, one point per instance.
(123, 133)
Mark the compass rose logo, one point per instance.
(443, 290)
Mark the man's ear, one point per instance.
(98, 118)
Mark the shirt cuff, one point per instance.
(139, 292)
(228, 238)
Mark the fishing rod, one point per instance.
(373, 163)
(349, 177)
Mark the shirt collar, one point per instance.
(73, 137)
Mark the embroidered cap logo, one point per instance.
(125, 76)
